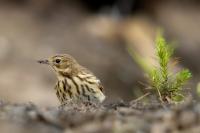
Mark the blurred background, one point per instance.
(96, 33)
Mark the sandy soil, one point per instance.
(117, 117)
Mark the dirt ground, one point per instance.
(133, 117)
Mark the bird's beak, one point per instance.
(43, 62)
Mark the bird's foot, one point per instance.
(66, 103)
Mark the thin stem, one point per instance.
(141, 97)
(159, 95)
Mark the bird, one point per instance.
(75, 82)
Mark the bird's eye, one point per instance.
(57, 60)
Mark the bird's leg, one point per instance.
(65, 103)
(89, 103)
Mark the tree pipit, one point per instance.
(75, 82)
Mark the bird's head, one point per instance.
(63, 65)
